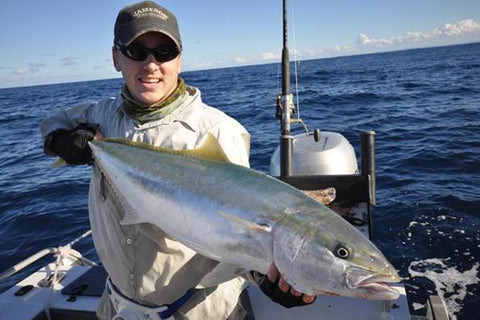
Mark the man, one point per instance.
(149, 273)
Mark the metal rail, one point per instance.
(63, 250)
(21, 265)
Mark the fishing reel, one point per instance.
(280, 101)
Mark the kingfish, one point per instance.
(243, 218)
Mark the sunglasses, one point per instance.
(137, 52)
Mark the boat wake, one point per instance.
(450, 283)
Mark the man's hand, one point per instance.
(278, 290)
(72, 145)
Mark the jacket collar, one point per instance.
(191, 117)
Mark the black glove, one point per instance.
(271, 290)
(71, 145)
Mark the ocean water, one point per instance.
(424, 106)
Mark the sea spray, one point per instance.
(450, 283)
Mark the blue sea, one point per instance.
(423, 104)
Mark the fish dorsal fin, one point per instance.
(210, 149)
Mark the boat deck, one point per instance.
(32, 304)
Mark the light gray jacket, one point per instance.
(143, 262)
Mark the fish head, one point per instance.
(113, 152)
(101, 149)
(111, 156)
(96, 147)
(331, 257)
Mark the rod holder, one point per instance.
(367, 144)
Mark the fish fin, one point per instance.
(223, 272)
(58, 163)
(240, 222)
(210, 149)
(130, 216)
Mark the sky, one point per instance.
(56, 41)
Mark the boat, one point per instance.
(70, 286)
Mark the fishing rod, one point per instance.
(285, 106)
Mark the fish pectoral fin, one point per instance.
(130, 216)
(223, 272)
(241, 223)
(209, 149)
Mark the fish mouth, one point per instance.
(373, 286)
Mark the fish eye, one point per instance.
(342, 251)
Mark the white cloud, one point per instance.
(69, 61)
(32, 69)
(455, 30)
(451, 33)
(240, 60)
(19, 72)
(35, 67)
(269, 56)
(296, 53)
(462, 27)
(204, 65)
(336, 49)
(311, 52)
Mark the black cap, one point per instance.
(142, 17)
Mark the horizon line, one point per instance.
(250, 65)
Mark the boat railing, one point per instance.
(61, 252)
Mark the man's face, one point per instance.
(149, 81)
